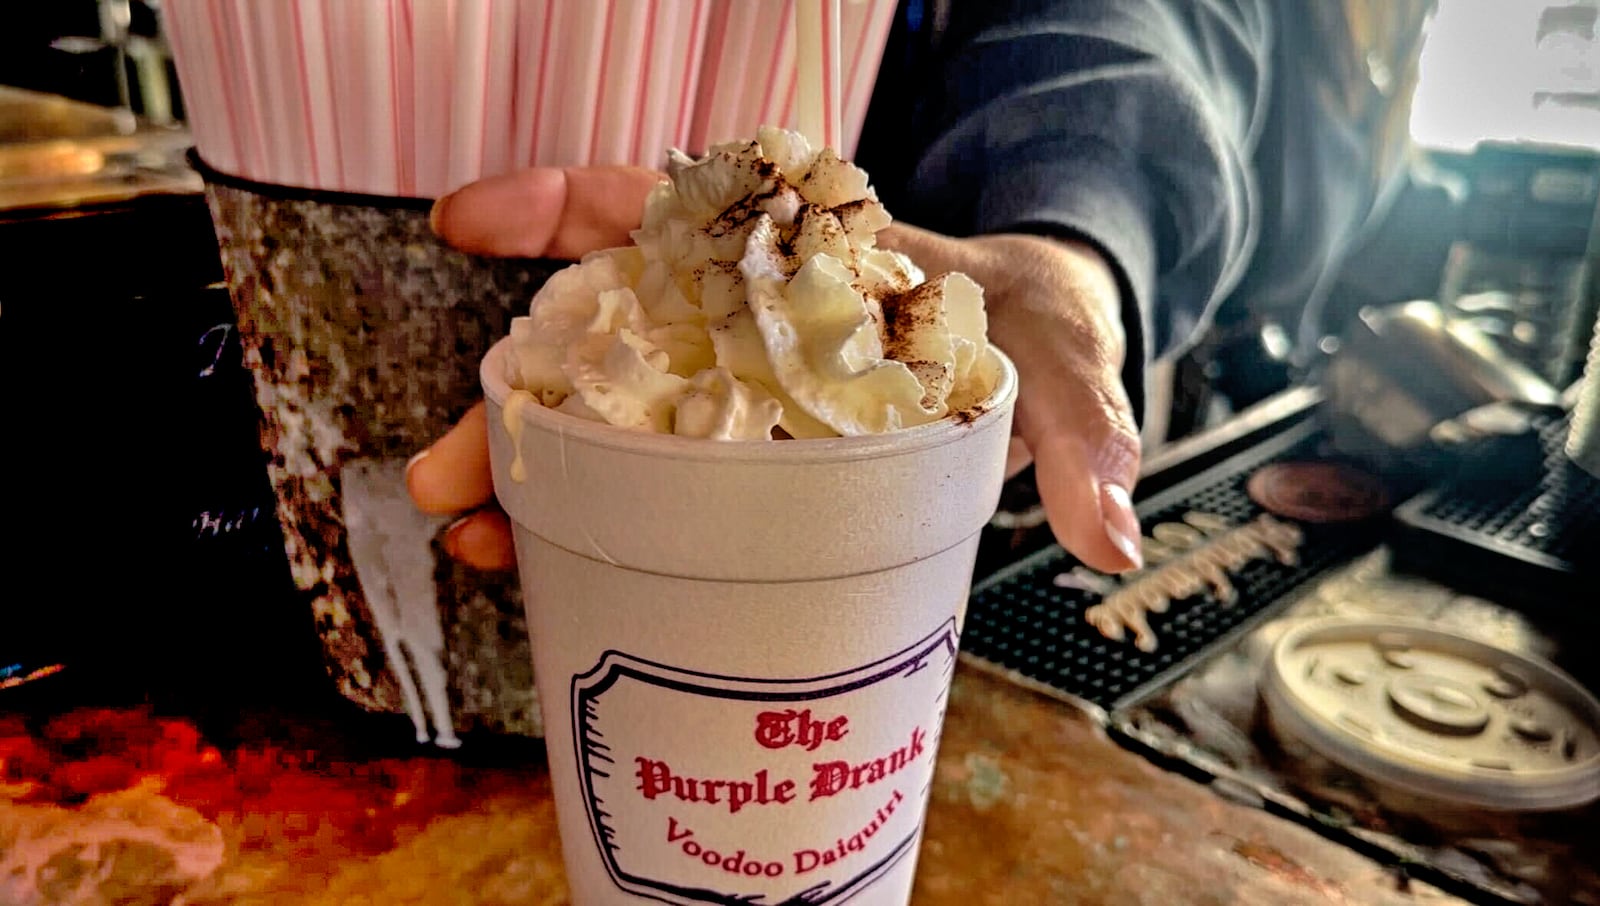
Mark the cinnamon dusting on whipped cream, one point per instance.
(755, 303)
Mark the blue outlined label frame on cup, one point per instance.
(742, 791)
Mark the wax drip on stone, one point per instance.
(391, 547)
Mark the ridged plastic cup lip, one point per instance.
(1300, 713)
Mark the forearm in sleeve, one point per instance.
(1127, 123)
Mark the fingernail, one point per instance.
(451, 543)
(416, 457)
(1121, 524)
(436, 213)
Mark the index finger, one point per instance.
(453, 475)
(545, 212)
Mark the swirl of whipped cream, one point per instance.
(755, 303)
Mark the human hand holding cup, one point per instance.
(744, 648)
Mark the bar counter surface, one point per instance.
(1032, 804)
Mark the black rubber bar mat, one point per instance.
(1520, 520)
(1023, 623)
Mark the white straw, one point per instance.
(403, 68)
(736, 73)
(345, 85)
(550, 80)
(574, 84)
(810, 115)
(622, 81)
(775, 105)
(706, 84)
(381, 163)
(317, 90)
(866, 29)
(532, 16)
(667, 36)
(431, 52)
(690, 54)
(342, 106)
(468, 102)
(276, 62)
(498, 91)
(197, 76)
(831, 92)
(242, 93)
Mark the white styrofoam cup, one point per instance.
(743, 649)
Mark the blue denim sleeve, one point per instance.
(1128, 123)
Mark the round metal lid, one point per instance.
(1437, 714)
